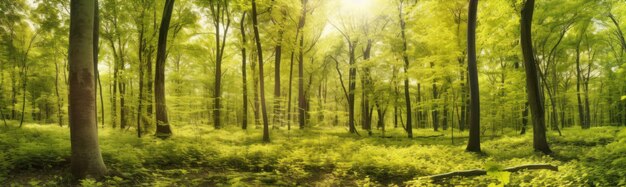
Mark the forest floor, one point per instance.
(38, 155)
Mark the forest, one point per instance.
(312, 93)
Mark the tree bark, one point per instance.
(257, 39)
(86, 160)
(478, 172)
(405, 58)
(473, 145)
(351, 86)
(581, 112)
(532, 80)
(244, 123)
(163, 129)
(435, 113)
(301, 99)
(221, 20)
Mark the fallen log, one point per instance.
(478, 172)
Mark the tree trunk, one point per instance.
(255, 84)
(532, 80)
(163, 129)
(473, 145)
(581, 112)
(405, 58)
(435, 113)
(351, 86)
(366, 120)
(221, 22)
(301, 99)
(277, 100)
(244, 123)
(86, 160)
(257, 39)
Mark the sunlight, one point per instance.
(357, 6)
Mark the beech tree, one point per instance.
(86, 158)
(163, 129)
(532, 80)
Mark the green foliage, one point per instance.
(323, 157)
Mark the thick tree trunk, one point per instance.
(257, 39)
(163, 129)
(532, 80)
(473, 145)
(86, 160)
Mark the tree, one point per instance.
(473, 145)
(86, 157)
(163, 129)
(220, 14)
(259, 49)
(532, 80)
(301, 99)
(244, 123)
(405, 58)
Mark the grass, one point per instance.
(38, 155)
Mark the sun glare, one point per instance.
(356, 5)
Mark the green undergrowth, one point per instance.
(38, 155)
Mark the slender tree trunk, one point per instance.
(351, 86)
(86, 160)
(114, 86)
(59, 100)
(244, 123)
(366, 119)
(277, 99)
(532, 80)
(301, 99)
(257, 39)
(255, 84)
(24, 81)
(163, 129)
(435, 113)
(444, 112)
(420, 109)
(405, 58)
(221, 21)
(581, 112)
